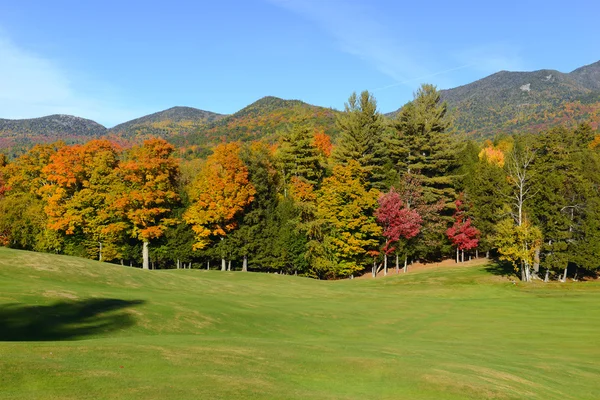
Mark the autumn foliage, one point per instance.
(462, 233)
(220, 191)
(397, 220)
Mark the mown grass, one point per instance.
(78, 329)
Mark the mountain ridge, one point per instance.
(504, 102)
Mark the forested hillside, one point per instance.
(17, 135)
(165, 124)
(263, 119)
(516, 102)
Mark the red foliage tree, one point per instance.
(462, 233)
(397, 220)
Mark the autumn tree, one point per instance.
(462, 233)
(81, 179)
(148, 191)
(518, 244)
(220, 192)
(397, 220)
(23, 222)
(347, 209)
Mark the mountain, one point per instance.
(588, 76)
(16, 133)
(513, 102)
(167, 123)
(505, 102)
(262, 119)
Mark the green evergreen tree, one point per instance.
(298, 155)
(362, 139)
(423, 145)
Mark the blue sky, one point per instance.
(112, 61)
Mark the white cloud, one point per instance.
(33, 86)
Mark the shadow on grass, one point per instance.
(501, 268)
(64, 320)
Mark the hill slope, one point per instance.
(263, 119)
(513, 102)
(15, 132)
(174, 121)
(74, 328)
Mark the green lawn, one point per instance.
(79, 329)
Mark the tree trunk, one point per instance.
(374, 270)
(564, 278)
(547, 273)
(476, 253)
(178, 264)
(208, 265)
(153, 265)
(122, 262)
(463, 256)
(487, 254)
(130, 263)
(190, 265)
(385, 265)
(245, 264)
(397, 264)
(145, 256)
(223, 263)
(229, 266)
(457, 260)
(536, 260)
(100, 252)
(405, 263)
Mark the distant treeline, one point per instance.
(388, 191)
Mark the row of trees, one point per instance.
(404, 188)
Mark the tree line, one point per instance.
(387, 191)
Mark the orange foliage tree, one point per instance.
(322, 141)
(80, 179)
(219, 193)
(147, 192)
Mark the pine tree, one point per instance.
(361, 139)
(423, 146)
(299, 156)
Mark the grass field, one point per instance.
(79, 329)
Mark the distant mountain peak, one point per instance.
(174, 115)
